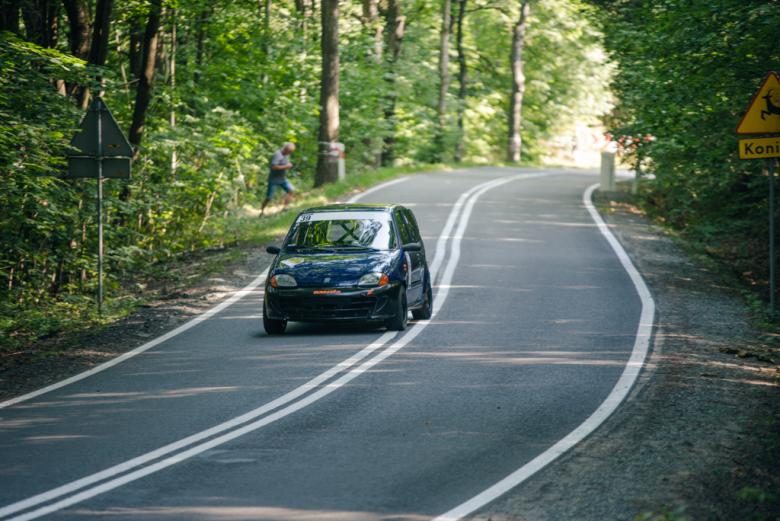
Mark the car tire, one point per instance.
(398, 322)
(425, 312)
(272, 326)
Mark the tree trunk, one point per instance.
(518, 85)
(41, 19)
(98, 50)
(329, 94)
(462, 80)
(394, 31)
(9, 15)
(174, 158)
(444, 78)
(202, 31)
(371, 19)
(136, 53)
(79, 19)
(145, 82)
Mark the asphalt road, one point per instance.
(538, 323)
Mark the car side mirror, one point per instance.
(274, 250)
(413, 246)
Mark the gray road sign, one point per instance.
(113, 142)
(113, 167)
(101, 145)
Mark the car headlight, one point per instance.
(373, 279)
(283, 281)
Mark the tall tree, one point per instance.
(146, 80)
(41, 19)
(394, 33)
(518, 85)
(98, 49)
(444, 76)
(462, 79)
(371, 20)
(329, 94)
(202, 33)
(9, 15)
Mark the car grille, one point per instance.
(327, 307)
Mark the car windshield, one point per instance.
(329, 231)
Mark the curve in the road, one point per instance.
(464, 204)
(615, 398)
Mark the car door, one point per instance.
(409, 234)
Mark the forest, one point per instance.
(686, 72)
(206, 91)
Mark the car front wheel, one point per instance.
(398, 322)
(273, 327)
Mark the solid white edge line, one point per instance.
(615, 398)
(354, 373)
(118, 360)
(364, 193)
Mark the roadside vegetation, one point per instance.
(686, 72)
(206, 92)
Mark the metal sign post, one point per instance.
(99, 143)
(764, 118)
(772, 236)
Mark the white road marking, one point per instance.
(118, 360)
(146, 458)
(235, 422)
(615, 398)
(361, 195)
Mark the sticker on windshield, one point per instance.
(342, 216)
(292, 262)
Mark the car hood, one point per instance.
(342, 269)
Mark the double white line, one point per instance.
(124, 473)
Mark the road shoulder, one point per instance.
(697, 436)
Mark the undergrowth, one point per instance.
(37, 315)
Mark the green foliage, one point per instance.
(226, 94)
(667, 514)
(686, 72)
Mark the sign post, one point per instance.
(764, 118)
(100, 145)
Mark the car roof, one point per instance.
(373, 207)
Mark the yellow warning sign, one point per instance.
(763, 114)
(759, 148)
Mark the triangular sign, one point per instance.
(763, 114)
(113, 142)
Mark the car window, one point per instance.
(411, 222)
(343, 229)
(405, 237)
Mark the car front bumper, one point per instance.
(330, 304)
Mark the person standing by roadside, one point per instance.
(277, 176)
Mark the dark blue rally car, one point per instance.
(349, 262)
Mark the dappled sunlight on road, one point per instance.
(245, 514)
(478, 354)
(98, 398)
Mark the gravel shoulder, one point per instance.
(698, 436)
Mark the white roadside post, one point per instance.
(608, 172)
(337, 152)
